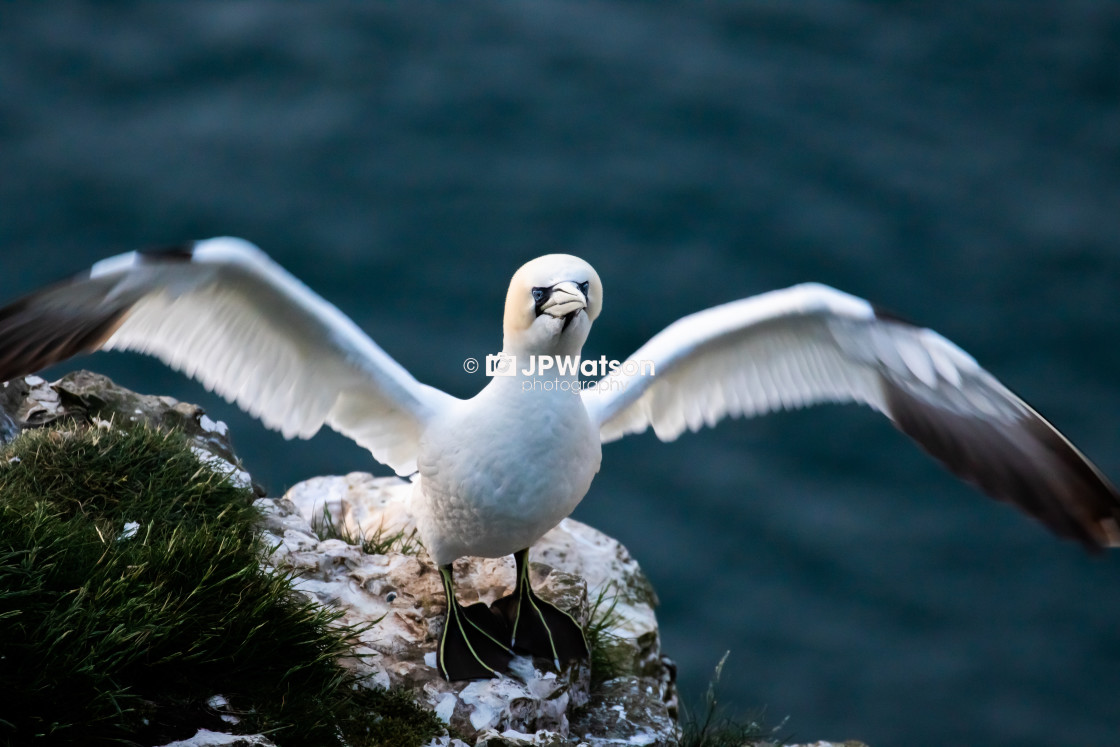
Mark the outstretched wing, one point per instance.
(224, 313)
(810, 344)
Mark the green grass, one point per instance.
(607, 652)
(712, 726)
(378, 542)
(108, 639)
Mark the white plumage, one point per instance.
(247, 329)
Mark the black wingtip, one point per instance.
(1027, 463)
(35, 336)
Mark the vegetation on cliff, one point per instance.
(132, 593)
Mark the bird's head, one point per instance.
(551, 304)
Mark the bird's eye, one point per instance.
(584, 286)
(538, 294)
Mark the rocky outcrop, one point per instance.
(94, 399)
(401, 591)
(392, 588)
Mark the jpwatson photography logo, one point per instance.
(504, 364)
(537, 367)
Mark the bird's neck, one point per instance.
(527, 345)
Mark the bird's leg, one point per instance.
(472, 644)
(537, 627)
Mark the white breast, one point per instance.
(501, 469)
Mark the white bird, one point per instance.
(498, 470)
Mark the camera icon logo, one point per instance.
(501, 365)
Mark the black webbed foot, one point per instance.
(537, 627)
(473, 643)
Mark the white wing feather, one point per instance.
(780, 350)
(247, 329)
(810, 344)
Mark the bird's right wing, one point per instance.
(224, 313)
(811, 344)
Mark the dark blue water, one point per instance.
(957, 162)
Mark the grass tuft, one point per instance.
(607, 649)
(714, 727)
(379, 542)
(131, 592)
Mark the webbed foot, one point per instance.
(473, 643)
(537, 627)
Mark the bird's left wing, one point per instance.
(224, 313)
(810, 344)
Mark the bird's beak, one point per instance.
(566, 298)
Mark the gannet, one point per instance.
(493, 473)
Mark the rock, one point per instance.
(628, 711)
(8, 427)
(207, 738)
(402, 592)
(512, 738)
(93, 399)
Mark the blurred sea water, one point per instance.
(957, 162)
